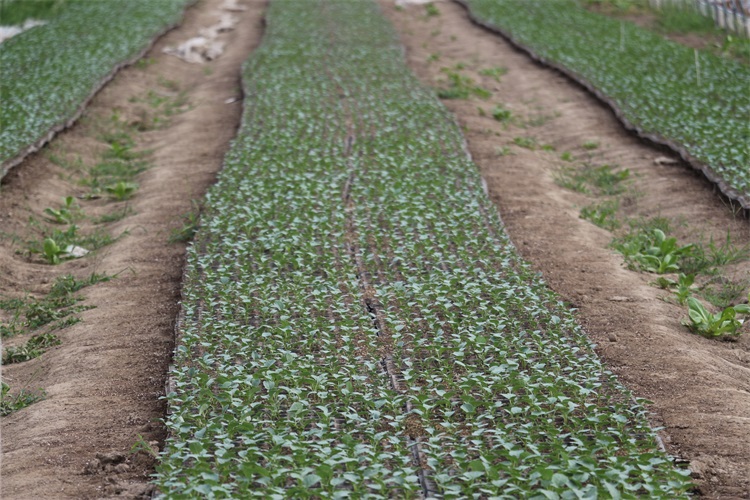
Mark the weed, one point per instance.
(65, 323)
(190, 223)
(495, 72)
(144, 62)
(737, 47)
(33, 348)
(707, 258)
(525, 142)
(431, 10)
(501, 114)
(567, 156)
(602, 214)
(67, 284)
(141, 445)
(114, 216)
(112, 171)
(724, 292)
(608, 181)
(569, 178)
(503, 151)
(435, 56)
(10, 403)
(57, 306)
(62, 160)
(603, 179)
(168, 84)
(461, 87)
(538, 120)
(590, 145)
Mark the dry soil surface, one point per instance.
(104, 383)
(700, 388)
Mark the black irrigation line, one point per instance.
(375, 311)
(14, 161)
(653, 139)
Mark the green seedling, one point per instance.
(590, 145)
(122, 190)
(52, 251)
(683, 287)
(725, 323)
(65, 214)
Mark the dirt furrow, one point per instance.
(105, 382)
(700, 388)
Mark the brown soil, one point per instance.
(700, 388)
(105, 382)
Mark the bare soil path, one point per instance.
(104, 382)
(700, 388)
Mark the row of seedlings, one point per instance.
(356, 322)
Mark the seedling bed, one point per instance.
(356, 320)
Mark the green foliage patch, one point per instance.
(351, 296)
